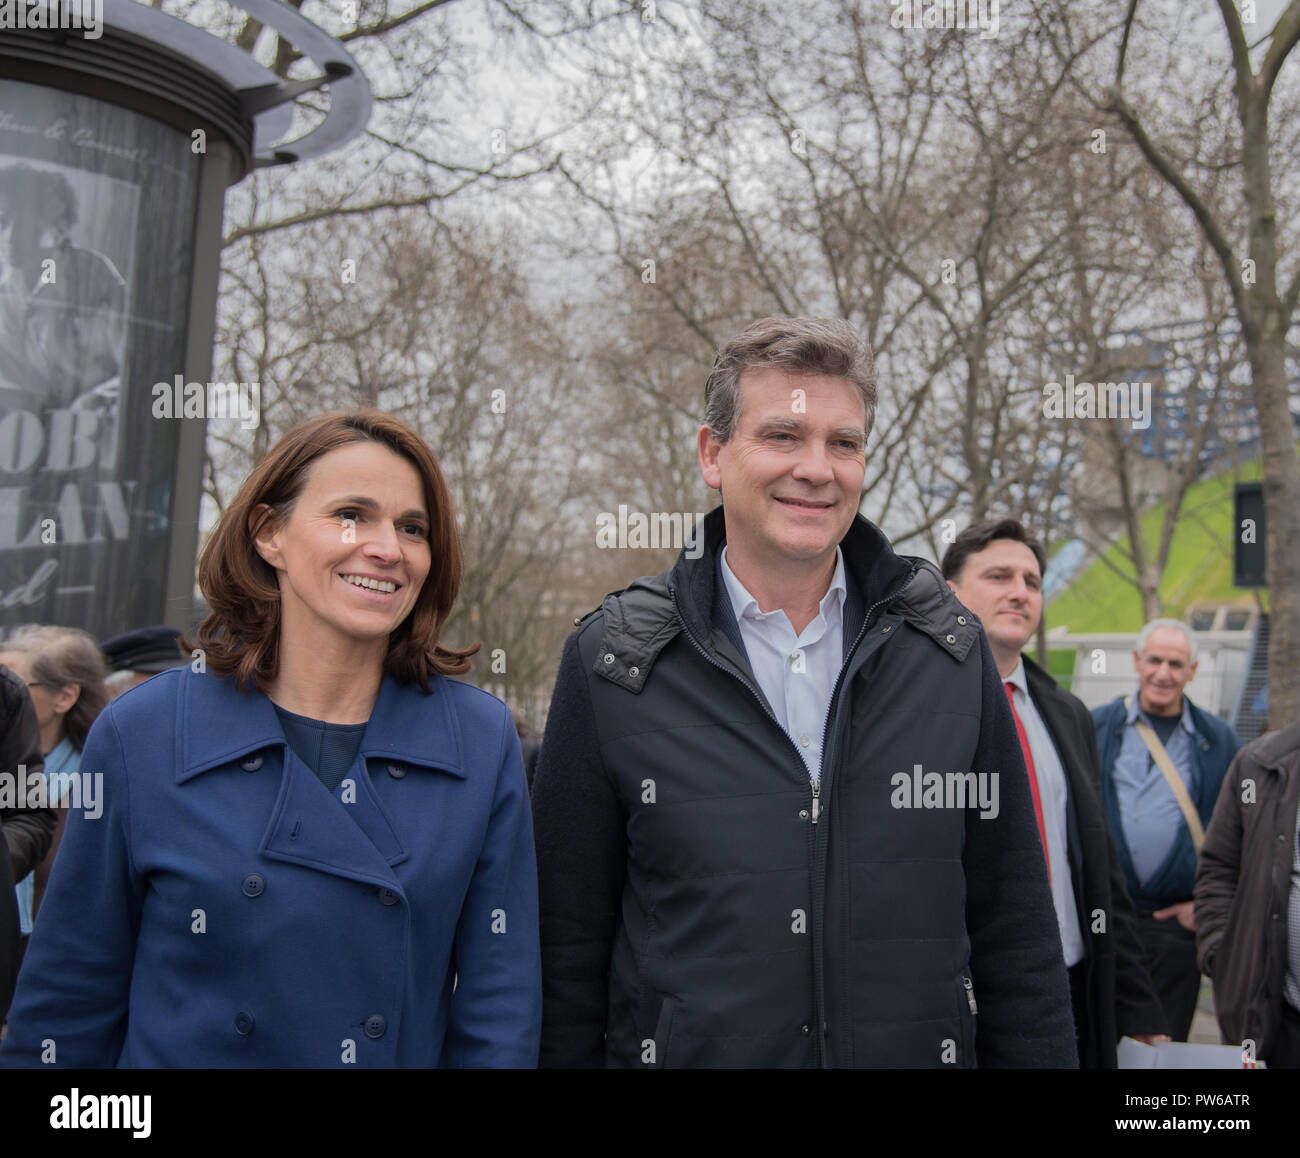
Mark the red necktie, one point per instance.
(1033, 775)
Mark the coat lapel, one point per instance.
(312, 828)
(349, 834)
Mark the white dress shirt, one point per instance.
(797, 674)
(1052, 791)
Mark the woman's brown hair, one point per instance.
(241, 634)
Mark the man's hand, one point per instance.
(1182, 911)
(1151, 1038)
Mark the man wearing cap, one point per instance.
(136, 655)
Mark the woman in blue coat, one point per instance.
(310, 847)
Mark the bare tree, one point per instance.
(435, 324)
(1247, 222)
(927, 187)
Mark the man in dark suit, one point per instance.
(996, 570)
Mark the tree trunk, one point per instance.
(1152, 604)
(1282, 513)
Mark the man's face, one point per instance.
(20, 248)
(1002, 585)
(791, 473)
(1164, 668)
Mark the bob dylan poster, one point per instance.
(91, 314)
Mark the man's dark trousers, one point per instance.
(1171, 960)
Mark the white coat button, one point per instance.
(396, 770)
(951, 638)
(251, 763)
(804, 741)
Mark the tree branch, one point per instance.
(1286, 32)
(393, 22)
(1205, 218)
(1240, 56)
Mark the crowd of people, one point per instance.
(68, 679)
(800, 800)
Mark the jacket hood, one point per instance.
(642, 619)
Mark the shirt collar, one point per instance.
(746, 606)
(1018, 677)
(1184, 722)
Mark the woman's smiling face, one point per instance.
(353, 553)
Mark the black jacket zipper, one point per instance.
(819, 857)
(815, 810)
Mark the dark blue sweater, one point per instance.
(327, 749)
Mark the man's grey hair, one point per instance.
(1174, 625)
(827, 346)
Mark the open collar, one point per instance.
(743, 603)
(871, 569)
(1185, 721)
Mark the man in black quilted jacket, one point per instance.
(781, 811)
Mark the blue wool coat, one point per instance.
(225, 911)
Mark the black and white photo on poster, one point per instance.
(67, 240)
(96, 232)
